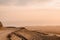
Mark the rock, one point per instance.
(21, 33)
(25, 34)
(1, 25)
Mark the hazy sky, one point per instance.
(30, 12)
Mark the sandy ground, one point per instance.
(5, 32)
(48, 29)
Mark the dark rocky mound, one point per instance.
(1, 25)
(25, 34)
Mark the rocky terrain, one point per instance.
(21, 33)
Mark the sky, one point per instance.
(30, 12)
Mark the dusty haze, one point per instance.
(30, 12)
